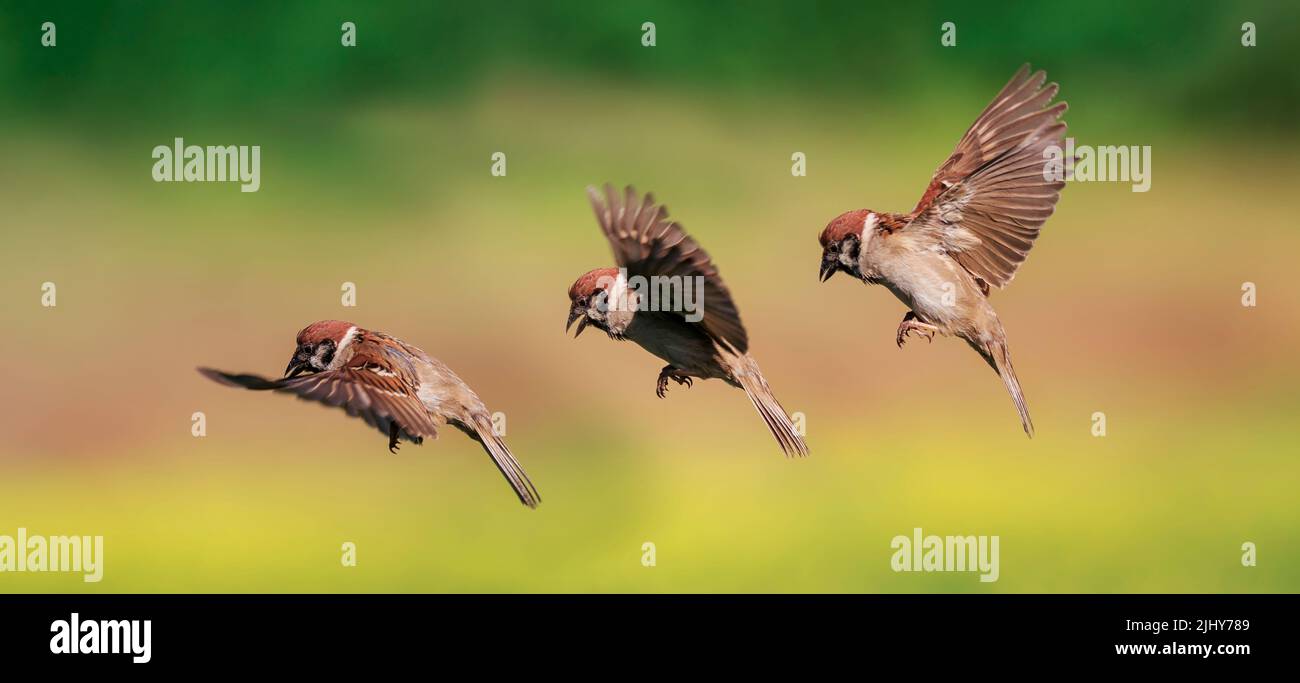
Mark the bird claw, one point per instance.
(907, 327)
(661, 387)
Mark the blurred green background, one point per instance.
(375, 170)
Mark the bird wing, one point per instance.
(646, 243)
(987, 202)
(373, 385)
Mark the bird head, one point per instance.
(318, 346)
(588, 299)
(842, 243)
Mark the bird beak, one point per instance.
(295, 367)
(578, 315)
(828, 269)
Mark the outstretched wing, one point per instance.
(646, 243)
(987, 202)
(369, 386)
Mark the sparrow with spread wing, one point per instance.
(709, 342)
(972, 229)
(393, 386)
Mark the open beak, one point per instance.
(828, 269)
(578, 315)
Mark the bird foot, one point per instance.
(910, 325)
(669, 372)
(393, 432)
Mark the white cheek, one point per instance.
(599, 306)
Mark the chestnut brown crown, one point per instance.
(843, 225)
(591, 281)
(322, 330)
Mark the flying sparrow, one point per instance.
(393, 386)
(971, 230)
(708, 342)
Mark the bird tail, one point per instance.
(999, 357)
(748, 376)
(505, 461)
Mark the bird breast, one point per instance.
(681, 344)
(926, 280)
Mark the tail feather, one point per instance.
(999, 356)
(760, 394)
(505, 461)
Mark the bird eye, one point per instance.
(582, 301)
(835, 247)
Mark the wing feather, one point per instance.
(647, 243)
(368, 386)
(993, 186)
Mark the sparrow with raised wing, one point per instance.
(973, 227)
(394, 386)
(707, 341)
